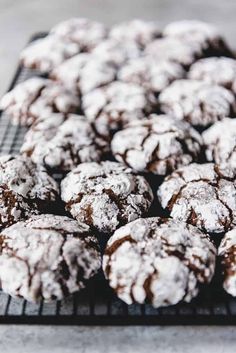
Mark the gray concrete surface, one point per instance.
(18, 20)
(47, 339)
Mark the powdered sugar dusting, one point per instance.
(220, 142)
(47, 257)
(158, 145)
(201, 194)
(197, 102)
(105, 195)
(158, 260)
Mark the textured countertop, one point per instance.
(18, 20)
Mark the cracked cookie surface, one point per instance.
(198, 102)
(46, 53)
(66, 145)
(105, 195)
(220, 142)
(227, 253)
(29, 180)
(38, 97)
(203, 195)
(151, 74)
(82, 31)
(203, 34)
(174, 49)
(160, 261)
(47, 257)
(109, 108)
(84, 72)
(158, 144)
(139, 31)
(220, 71)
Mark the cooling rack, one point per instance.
(97, 304)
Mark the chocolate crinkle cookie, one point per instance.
(139, 31)
(110, 107)
(84, 72)
(203, 195)
(220, 142)
(204, 34)
(159, 261)
(117, 52)
(72, 142)
(47, 257)
(46, 53)
(82, 31)
(152, 74)
(28, 180)
(220, 71)
(158, 144)
(227, 253)
(35, 97)
(105, 195)
(173, 49)
(200, 103)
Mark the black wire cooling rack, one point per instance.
(97, 304)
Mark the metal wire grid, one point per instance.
(97, 304)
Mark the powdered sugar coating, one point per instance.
(197, 102)
(139, 31)
(153, 75)
(220, 71)
(74, 142)
(109, 108)
(220, 142)
(105, 195)
(84, 72)
(14, 207)
(86, 33)
(160, 261)
(39, 134)
(174, 49)
(158, 144)
(117, 52)
(46, 53)
(227, 253)
(36, 97)
(47, 257)
(203, 195)
(27, 179)
(204, 34)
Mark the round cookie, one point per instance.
(159, 261)
(203, 195)
(151, 74)
(35, 97)
(111, 107)
(158, 144)
(201, 33)
(105, 195)
(220, 71)
(84, 72)
(117, 52)
(199, 103)
(47, 257)
(227, 253)
(39, 134)
(220, 142)
(46, 53)
(86, 33)
(139, 31)
(75, 141)
(28, 180)
(173, 49)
